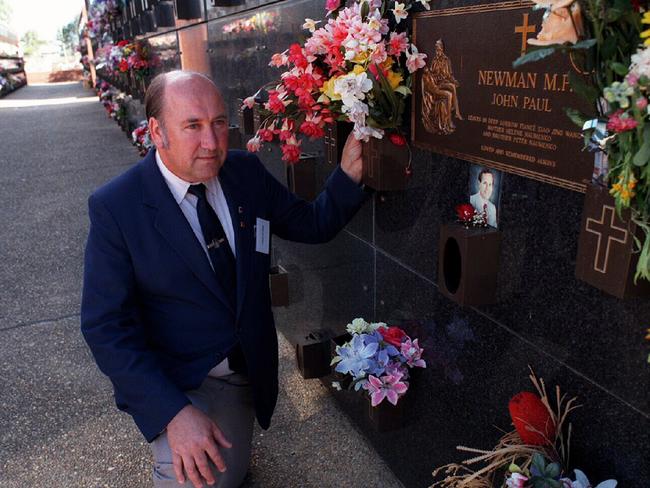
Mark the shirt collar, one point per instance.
(179, 186)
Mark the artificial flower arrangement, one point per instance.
(355, 68)
(100, 14)
(141, 138)
(534, 455)
(378, 359)
(615, 82)
(127, 56)
(469, 217)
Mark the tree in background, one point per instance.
(68, 37)
(30, 43)
(5, 12)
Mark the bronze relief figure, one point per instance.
(439, 96)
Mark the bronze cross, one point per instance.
(609, 230)
(524, 30)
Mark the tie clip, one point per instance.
(215, 243)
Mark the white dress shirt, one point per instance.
(187, 202)
(480, 205)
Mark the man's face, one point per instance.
(485, 186)
(196, 127)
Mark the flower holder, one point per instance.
(385, 165)
(606, 257)
(468, 264)
(164, 11)
(386, 416)
(313, 354)
(188, 9)
(279, 286)
(301, 177)
(335, 137)
(343, 379)
(234, 137)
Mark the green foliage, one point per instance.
(30, 43)
(68, 36)
(544, 475)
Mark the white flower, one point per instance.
(425, 4)
(356, 112)
(359, 326)
(641, 62)
(310, 24)
(376, 325)
(400, 12)
(364, 133)
(249, 102)
(336, 385)
(352, 87)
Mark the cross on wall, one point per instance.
(605, 228)
(524, 30)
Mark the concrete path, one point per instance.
(58, 423)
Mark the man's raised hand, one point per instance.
(351, 162)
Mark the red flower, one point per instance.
(465, 212)
(275, 105)
(310, 129)
(617, 123)
(122, 43)
(265, 134)
(531, 419)
(124, 66)
(397, 139)
(297, 57)
(392, 335)
(290, 153)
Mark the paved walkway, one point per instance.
(58, 423)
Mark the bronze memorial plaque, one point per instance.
(470, 103)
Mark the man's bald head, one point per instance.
(154, 100)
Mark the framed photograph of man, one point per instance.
(485, 192)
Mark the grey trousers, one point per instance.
(228, 402)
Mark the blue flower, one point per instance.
(356, 357)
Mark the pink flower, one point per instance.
(412, 352)
(274, 104)
(254, 144)
(249, 102)
(388, 386)
(516, 480)
(414, 59)
(279, 59)
(642, 103)
(632, 79)
(620, 122)
(397, 44)
(332, 5)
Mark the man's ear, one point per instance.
(157, 133)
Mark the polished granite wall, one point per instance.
(383, 266)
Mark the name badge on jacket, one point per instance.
(262, 235)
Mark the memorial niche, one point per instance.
(476, 107)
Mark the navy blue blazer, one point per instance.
(153, 313)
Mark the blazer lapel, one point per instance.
(240, 213)
(175, 229)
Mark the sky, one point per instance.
(45, 17)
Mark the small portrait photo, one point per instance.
(485, 192)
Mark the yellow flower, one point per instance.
(646, 18)
(360, 58)
(394, 79)
(328, 89)
(358, 69)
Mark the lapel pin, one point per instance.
(240, 210)
(215, 243)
